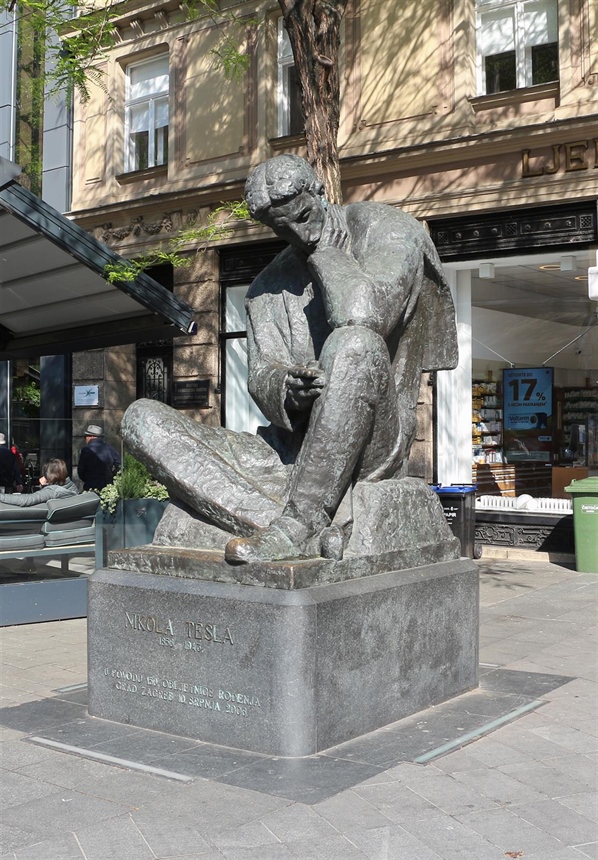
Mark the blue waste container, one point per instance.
(458, 504)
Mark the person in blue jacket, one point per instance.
(98, 461)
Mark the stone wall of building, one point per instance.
(113, 371)
(197, 356)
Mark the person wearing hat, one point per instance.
(10, 474)
(98, 461)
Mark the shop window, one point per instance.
(517, 44)
(238, 268)
(290, 114)
(240, 411)
(146, 114)
(25, 429)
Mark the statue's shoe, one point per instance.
(284, 539)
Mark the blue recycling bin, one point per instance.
(458, 504)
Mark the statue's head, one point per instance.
(285, 194)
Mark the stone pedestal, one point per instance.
(286, 672)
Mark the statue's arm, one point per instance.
(348, 293)
(269, 359)
(373, 292)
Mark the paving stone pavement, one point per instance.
(525, 790)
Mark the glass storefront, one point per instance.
(528, 339)
(25, 418)
(534, 371)
(43, 567)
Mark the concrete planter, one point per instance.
(132, 524)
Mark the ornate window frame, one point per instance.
(290, 117)
(514, 29)
(147, 105)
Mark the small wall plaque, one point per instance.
(191, 392)
(87, 395)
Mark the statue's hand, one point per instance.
(304, 386)
(335, 233)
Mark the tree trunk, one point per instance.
(314, 32)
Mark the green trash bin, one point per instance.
(585, 523)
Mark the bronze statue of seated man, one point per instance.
(340, 327)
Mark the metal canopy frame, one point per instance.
(54, 296)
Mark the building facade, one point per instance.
(36, 133)
(476, 116)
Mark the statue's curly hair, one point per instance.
(277, 180)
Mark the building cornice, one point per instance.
(198, 198)
(165, 212)
(488, 144)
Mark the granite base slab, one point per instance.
(300, 573)
(274, 671)
(503, 696)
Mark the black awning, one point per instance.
(54, 296)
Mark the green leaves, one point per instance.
(220, 225)
(82, 33)
(74, 57)
(234, 63)
(28, 393)
(129, 270)
(132, 481)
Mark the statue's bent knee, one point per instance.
(356, 342)
(153, 411)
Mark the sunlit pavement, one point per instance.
(525, 789)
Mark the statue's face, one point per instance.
(299, 220)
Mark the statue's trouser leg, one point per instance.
(352, 427)
(407, 374)
(234, 479)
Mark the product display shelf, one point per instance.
(513, 479)
(486, 418)
(579, 404)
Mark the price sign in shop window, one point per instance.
(527, 413)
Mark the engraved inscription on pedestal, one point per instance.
(193, 636)
(181, 692)
(276, 671)
(178, 659)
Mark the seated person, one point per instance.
(340, 327)
(55, 483)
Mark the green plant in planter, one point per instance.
(132, 481)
